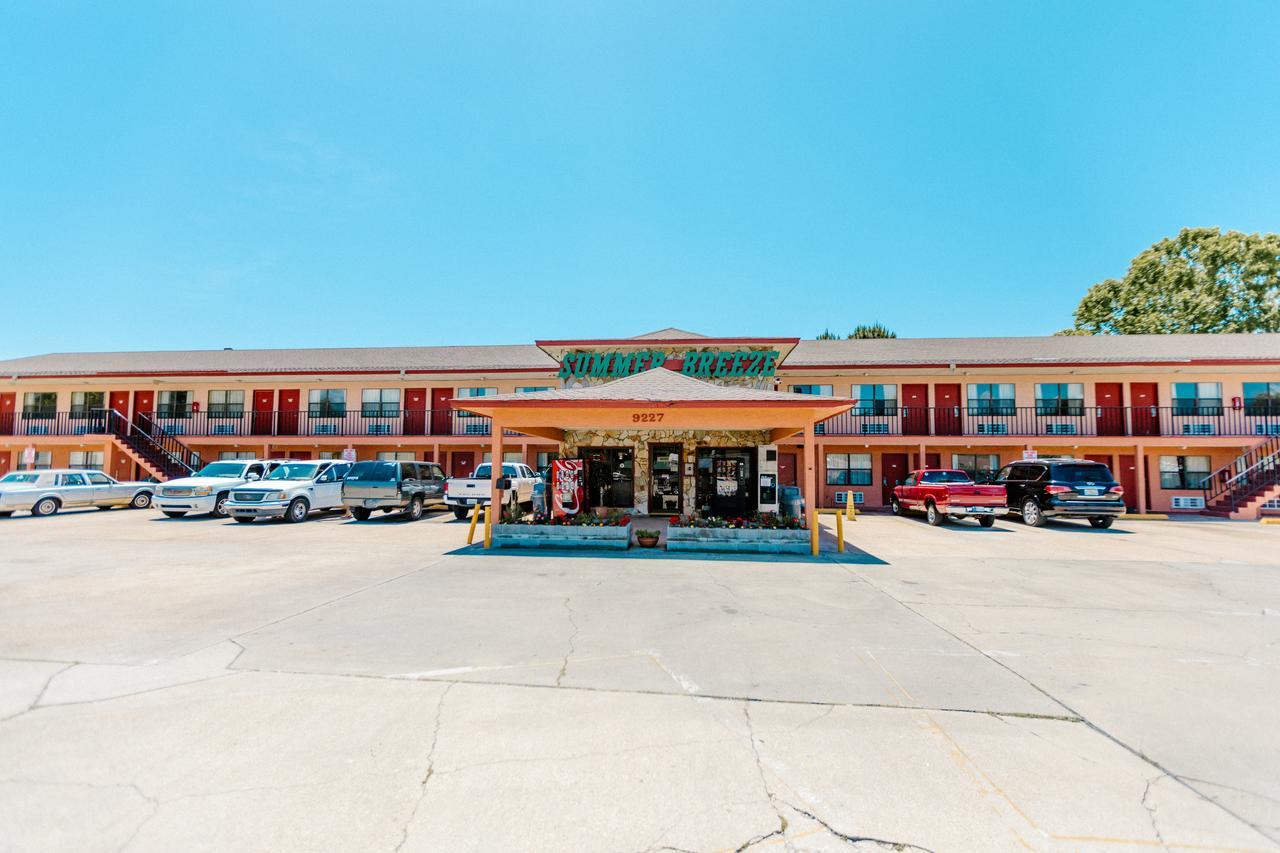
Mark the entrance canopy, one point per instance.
(655, 399)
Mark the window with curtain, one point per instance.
(395, 456)
(175, 404)
(848, 469)
(86, 459)
(992, 399)
(327, 402)
(876, 399)
(86, 403)
(233, 455)
(226, 404)
(982, 467)
(380, 402)
(39, 404)
(1062, 399)
(1197, 398)
(1184, 472)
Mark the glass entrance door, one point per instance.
(610, 476)
(665, 494)
(726, 480)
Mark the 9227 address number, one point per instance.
(647, 417)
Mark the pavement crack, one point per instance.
(1152, 808)
(573, 639)
(431, 769)
(857, 839)
(781, 831)
(44, 688)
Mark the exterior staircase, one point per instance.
(1238, 489)
(156, 451)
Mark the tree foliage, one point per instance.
(871, 330)
(1203, 280)
(827, 336)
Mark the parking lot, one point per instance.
(196, 684)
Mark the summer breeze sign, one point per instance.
(614, 365)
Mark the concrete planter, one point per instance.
(730, 539)
(560, 536)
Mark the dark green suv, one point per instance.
(1041, 489)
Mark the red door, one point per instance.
(1110, 408)
(893, 470)
(931, 460)
(119, 401)
(144, 402)
(299, 454)
(1128, 477)
(5, 459)
(264, 405)
(786, 469)
(915, 409)
(440, 411)
(415, 411)
(464, 462)
(8, 404)
(1146, 415)
(288, 424)
(946, 414)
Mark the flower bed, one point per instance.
(581, 531)
(766, 533)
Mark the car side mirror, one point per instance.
(252, 476)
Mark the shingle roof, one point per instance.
(250, 361)
(658, 385)
(1100, 349)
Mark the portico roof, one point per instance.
(655, 399)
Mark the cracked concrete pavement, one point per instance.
(209, 686)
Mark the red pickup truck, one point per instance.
(944, 493)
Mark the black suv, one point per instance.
(1041, 489)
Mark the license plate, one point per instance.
(979, 509)
(1093, 493)
(472, 500)
(370, 502)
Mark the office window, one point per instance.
(992, 399)
(848, 469)
(1183, 472)
(226, 404)
(876, 399)
(474, 392)
(1197, 398)
(86, 459)
(380, 402)
(175, 404)
(39, 404)
(327, 402)
(395, 456)
(44, 460)
(816, 390)
(86, 403)
(1262, 398)
(530, 389)
(981, 466)
(1060, 399)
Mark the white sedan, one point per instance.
(46, 492)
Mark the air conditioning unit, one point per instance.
(37, 429)
(1266, 429)
(819, 429)
(224, 429)
(82, 430)
(1059, 429)
(1188, 503)
(993, 429)
(842, 498)
(1199, 429)
(875, 429)
(379, 429)
(174, 429)
(475, 429)
(325, 429)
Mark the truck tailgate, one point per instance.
(976, 495)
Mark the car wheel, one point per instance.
(934, 515)
(895, 507)
(173, 514)
(220, 505)
(1031, 514)
(141, 500)
(987, 521)
(297, 511)
(414, 511)
(459, 512)
(47, 506)
(359, 513)
(1102, 523)
(243, 519)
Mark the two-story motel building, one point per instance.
(1164, 411)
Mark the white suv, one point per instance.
(206, 491)
(292, 491)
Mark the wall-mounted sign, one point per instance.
(702, 364)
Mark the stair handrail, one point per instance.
(120, 426)
(145, 425)
(1258, 466)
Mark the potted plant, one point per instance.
(647, 538)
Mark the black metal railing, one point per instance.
(1243, 477)
(145, 426)
(1041, 422)
(325, 422)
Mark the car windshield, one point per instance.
(20, 478)
(221, 469)
(372, 472)
(294, 471)
(1081, 473)
(482, 471)
(945, 477)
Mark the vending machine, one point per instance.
(567, 487)
(767, 472)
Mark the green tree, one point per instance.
(873, 330)
(827, 336)
(1203, 280)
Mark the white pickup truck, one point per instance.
(463, 493)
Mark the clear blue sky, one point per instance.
(200, 175)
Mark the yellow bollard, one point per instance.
(471, 533)
(488, 529)
(813, 531)
(839, 532)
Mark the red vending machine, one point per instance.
(567, 487)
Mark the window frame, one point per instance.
(991, 404)
(805, 389)
(1271, 404)
(83, 410)
(225, 408)
(1198, 406)
(844, 470)
(1181, 475)
(320, 403)
(883, 400)
(367, 407)
(169, 410)
(39, 410)
(1070, 405)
